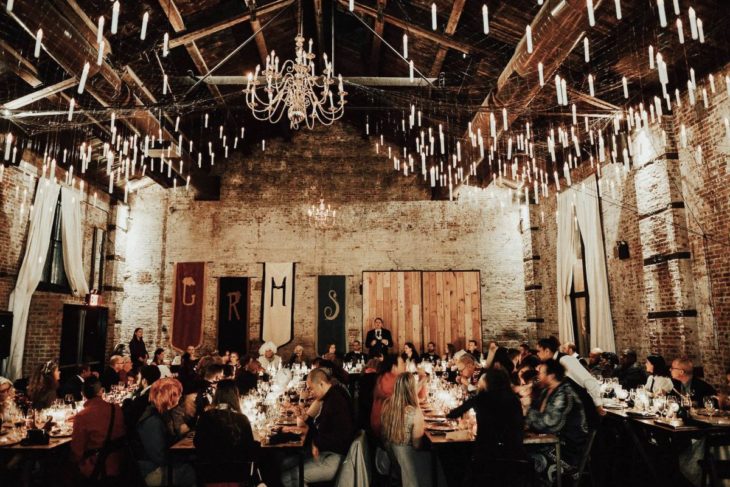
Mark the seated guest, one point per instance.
(127, 375)
(660, 380)
(410, 357)
(355, 354)
(524, 349)
(332, 352)
(686, 384)
(331, 429)
(235, 362)
(223, 434)
(608, 364)
(160, 361)
(248, 377)
(372, 366)
(500, 423)
(110, 375)
(514, 356)
(526, 389)
(594, 362)
(212, 373)
(267, 356)
(473, 348)
(430, 354)
(391, 366)
(91, 427)
(569, 348)
(403, 429)
(8, 409)
(629, 373)
(468, 372)
(43, 385)
(297, 357)
(137, 349)
(74, 385)
(135, 406)
(558, 411)
(156, 434)
(450, 352)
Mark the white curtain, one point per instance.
(72, 239)
(589, 221)
(566, 259)
(585, 199)
(39, 237)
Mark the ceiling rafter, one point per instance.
(379, 27)
(178, 25)
(40, 94)
(227, 24)
(451, 24)
(20, 66)
(417, 30)
(319, 24)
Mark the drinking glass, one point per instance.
(709, 403)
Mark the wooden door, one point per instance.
(396, 298)
(451, 308)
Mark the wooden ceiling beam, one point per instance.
(378, 27)
(40, 94)
(23, 68)
(416, 30)
(260, 40)
(319, 23)
(451, 24)
(195, 35)
(178, 25)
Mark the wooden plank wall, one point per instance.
(418, 307)
(396, 298)
(451, 308)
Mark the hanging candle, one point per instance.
(528, 36)
(71, 105)
(38, 41)
(651, 57)
(143, 31)
(411, 70)
(100, 54)
(164, 84)
(590, 85)
(84, 75)
(100, 30)
(680, 30)
(434, 20)
(352, 5)
(693, 22)
(405, 46)
(591, 14)
(485, 18)
(700, 31)
(625, 84)
(115, 17)
(618, 9)
(165, 45)
(9, 6)
(662, 13)
(586, 50)
(541, 74)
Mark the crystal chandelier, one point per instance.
(321, 216)
(294, 88)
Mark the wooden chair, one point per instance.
(585, 461)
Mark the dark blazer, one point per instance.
(700, 389)
(631, 377)
(134, 408)
(109, 378)
(73, 385)
(137, 350)
(379, 346)
(334, 428)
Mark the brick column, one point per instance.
(114, 270)
(668, 280)
(530, 223)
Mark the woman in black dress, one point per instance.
(137, 350)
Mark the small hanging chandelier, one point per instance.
(321, 216)
(295, 89)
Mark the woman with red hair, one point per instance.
(155, 430)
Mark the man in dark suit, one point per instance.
(74, 385)
(685, 383)
(378, 340)
(135, 406)
(355, 354)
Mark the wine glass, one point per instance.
(709, 403)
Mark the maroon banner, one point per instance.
(187, 305)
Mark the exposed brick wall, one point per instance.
(17, 191)
(385, 221)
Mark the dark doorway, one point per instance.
(233, 312)
(83, 337)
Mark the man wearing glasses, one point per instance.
(686, 384)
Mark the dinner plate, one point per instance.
(435, 420)
(640, 414)
(441, 427)
(9, 441)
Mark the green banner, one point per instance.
(331, 313)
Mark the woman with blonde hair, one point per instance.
(402, 432)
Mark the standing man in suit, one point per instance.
(379, 339)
